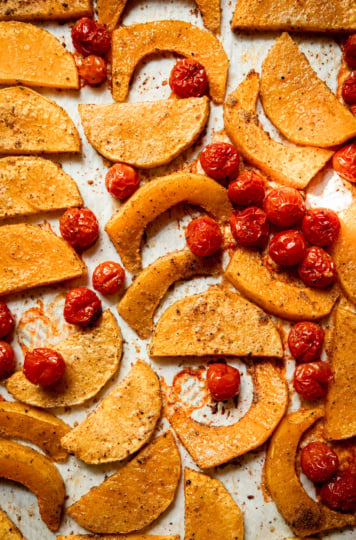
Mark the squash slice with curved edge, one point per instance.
(211, 446)
(32, 256)
(45, 9)
(39, 427)
(136, 495)
(202, 494)
(166, 128)
(118, 537)
(30, 185)
(293, 166)
(344, 253)
(92, 356)
(8, 530)
(122, 423)
(33, 124)
(254, 280)
(142, 298)
(300, 104)
(303, 515)
(35, 471)
(32, 56)
(218, 321)
(130, 44)
(126, 227)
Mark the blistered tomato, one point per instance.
(319, 461)
(284, 206)
(7, 362)
(317, 269)
(188, 79)
(247, 190)
(287, 248)
(344, 162)
(44, 366)
(339, 493)
(305, 341)
(321, 226)
(311, 380)
(223, 381)
(90, 37)
(79, 227)
(108, 277)
(350, 51)
(203, 236)
(220, 161)
(92, 69)
(82, 307)
(7, 322)
(348, 89)
(122, 181)
(250, 227)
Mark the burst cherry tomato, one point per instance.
(317, 269)
(7, 362)
(287, 248)
(90, 37)
(203, 236)
(220, 161)
(284, 206)
(44, 366)
(108, 277)
(319, 461)
(348, 89)
(79, 227)
(223, 381)
(305, 341)
(92, 69)
(311, 380)
(350, 51)
(82, 307)
(188, 79)
(122, 181)
(250, 227)
(7, 322)
(344, 162)
(339, 493)
(247, 190)
(321, 226)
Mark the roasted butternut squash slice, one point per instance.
(127, 226)
(289, 165)
(130, 44)
(29, 10)
(8, 530)
(118, 537)
(343, 252)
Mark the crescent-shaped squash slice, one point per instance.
(122, 423)
(166, 128)
(130, 44)
(136, 495)
(92, 356)
(30, 185)
(141, 299)
(218, 321)
(32, 256)
(118, 537)
(211, 446)
(32, 56)
(202, 494)
(344, 253)
(26, 466)
(254, 280)
(289, 165)
(300, 104)
(303, 515)
(45, 9)
(127, 226)
(8, 530)
(33, 124)
(39, 427)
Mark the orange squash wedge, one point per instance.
(8, 530)
(45, 9)
(343, 252)
(118, 537)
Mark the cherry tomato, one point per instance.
(92, 69)
(321, 226)
(348, 89)
(108, 277)
(90, 37)
(319, 461)
(44, 366)
(79, 227)
(203, 236)
(339, 493)
(220, 161)
(82, 307)
(223, 381)
(122, 181)
(350, 51)
(311, 380)
(250, 227)
(188, 79)
(353, 109)
(7, 322)
(247, 190)
(287, 248)
(284, 206)
(305, 341)
(344, 162)
(7, 362)
(317, 269)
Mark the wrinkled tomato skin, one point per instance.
(247, 190)
(319, 461)
(122, 181)
(344, 162)
(223, 381)
(90, 37)
(92, 69)
(317, 269)
(311, 380)
(350, 51)
(287, 248)
(82, 307)
(7, 322)
(321, 226)
(203, 236)
(339, 493)
(7, 362)
(284, 206)
(44, 366)
(188, 79)
(220, 161)
(348, 89)
(250, 227)
(79, 227)
(305, 341)
(108, 277)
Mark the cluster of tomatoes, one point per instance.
(348, 90)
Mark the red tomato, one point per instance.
(339, 493)
(321, 226)
(348, 89)
(82, 307)
(7, 322)
(223, 381)
(108, 277)
(317, 269)
(188, 79)
(284, 206)
(344, 162)
(7, 362)
(247, 190)
(350, 51)
(203, 236)
(319, 461)
(250, 227)
(79, 227)
(305, 341)
(122, 181)
(92, 69)
(311, 380)
(220, 161)
(287, 248)
(90, 37)
(44, 366)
